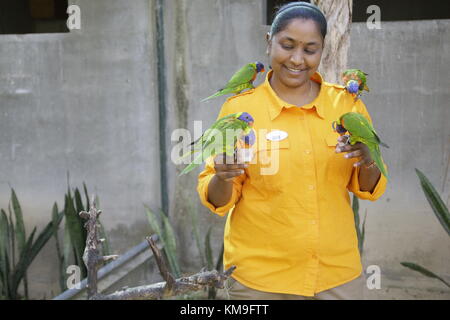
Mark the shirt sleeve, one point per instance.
(208, 173)
(203, 182)
(354, 185)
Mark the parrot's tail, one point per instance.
(375, 153)
(217, 94)
(384, 145)
(194, 164)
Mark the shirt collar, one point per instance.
(277, 104)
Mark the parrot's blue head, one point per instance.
(246, 117)
(259, 67)
(338, 127)
(250, 138)
(352, 86)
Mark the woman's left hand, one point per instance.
(358, 150)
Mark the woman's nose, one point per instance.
(297, 58)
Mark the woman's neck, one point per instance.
(299, 96)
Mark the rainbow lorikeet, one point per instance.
(221, 137)
(360, 130)
(355, 81)
(241, 80)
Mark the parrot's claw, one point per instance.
(348, 139)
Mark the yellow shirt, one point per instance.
(293, 231)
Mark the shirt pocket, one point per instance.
(339, 168)
(270, 167)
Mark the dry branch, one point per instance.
(171, 286)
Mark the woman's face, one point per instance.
(295, 53)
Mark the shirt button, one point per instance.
(307, 151)
(313, 221)
(311, 187)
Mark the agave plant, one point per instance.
(205, 252)
(160, 224)
(13, 239)
(442, 213)
(360, 230)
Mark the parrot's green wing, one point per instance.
(241, 80)
(357, 125)
(242, 76)
(361, 130)
(215, 140)
(375, 153)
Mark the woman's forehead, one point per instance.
(301, 30)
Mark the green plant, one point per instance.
(160, 225)
(442, 213)
(205, 253)
(13, 238)
(210, 263)
(360, 230)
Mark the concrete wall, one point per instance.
(408, 67)
(83, 102)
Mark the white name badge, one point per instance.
(276, 135)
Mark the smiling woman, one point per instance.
(291, 233)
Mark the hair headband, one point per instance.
(301, 5)
(305, 5)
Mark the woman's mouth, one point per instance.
(295, 71)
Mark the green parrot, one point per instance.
(361, 130)
(355, 81)
(241, 80)
(239, 123)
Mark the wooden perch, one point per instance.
(171, 286)
(91, 256)
(182, 285)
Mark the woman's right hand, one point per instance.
(227, 168)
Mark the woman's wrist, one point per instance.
(219, 191)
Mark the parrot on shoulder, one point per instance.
(221, 137)
(355, 82)
(360, 130)
(241, 80)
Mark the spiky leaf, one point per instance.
(170, 244)
(423, 271)
(208, 250)
(20, 226)
(435, 201)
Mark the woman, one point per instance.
(291, 232)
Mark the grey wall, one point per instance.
(83, 102)
(408, 67)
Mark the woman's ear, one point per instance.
(269, 42)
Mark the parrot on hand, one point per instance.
(355, 81)
(361, 130)
(221, 137)
(241, 80)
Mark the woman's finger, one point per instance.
(354, 154)
(227, 175)
(228, 167)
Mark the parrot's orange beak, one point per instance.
(263, 70)
(250, 124)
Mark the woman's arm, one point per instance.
(368, 178)
(220, 187)
(369, 174)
